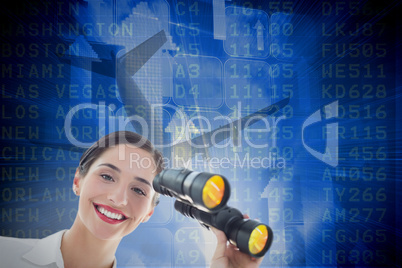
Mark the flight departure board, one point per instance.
(322, 171)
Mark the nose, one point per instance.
(118, 195)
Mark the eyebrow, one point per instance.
(111, 166)
(119, 170)
(143, 181)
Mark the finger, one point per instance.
(221, 245)
(246, 216)
(258, 260)
(232, 246)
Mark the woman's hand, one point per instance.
(228, 256)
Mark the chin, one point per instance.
(105, 231)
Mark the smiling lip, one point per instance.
(107, 219)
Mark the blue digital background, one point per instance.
(326, 171)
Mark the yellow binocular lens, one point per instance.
(258, 239)
(213, 191)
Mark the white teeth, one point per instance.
(109, 214)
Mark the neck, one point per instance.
(80, 248)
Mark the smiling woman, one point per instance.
(115, 196)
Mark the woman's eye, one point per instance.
(139, 191)
(107, 177)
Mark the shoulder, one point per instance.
(16, 243)
(22, 252)
(13, 241)
(12, 249)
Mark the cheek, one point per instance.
(92, 188)
(139, 205)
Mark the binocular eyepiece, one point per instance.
(203, 196)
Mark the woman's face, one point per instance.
(116, 193)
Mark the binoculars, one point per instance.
(203, 196)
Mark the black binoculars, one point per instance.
(203, 196)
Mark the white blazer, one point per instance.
(28, 253)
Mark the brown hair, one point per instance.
(116, 138)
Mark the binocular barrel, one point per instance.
(203, 196)
(206, 191)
